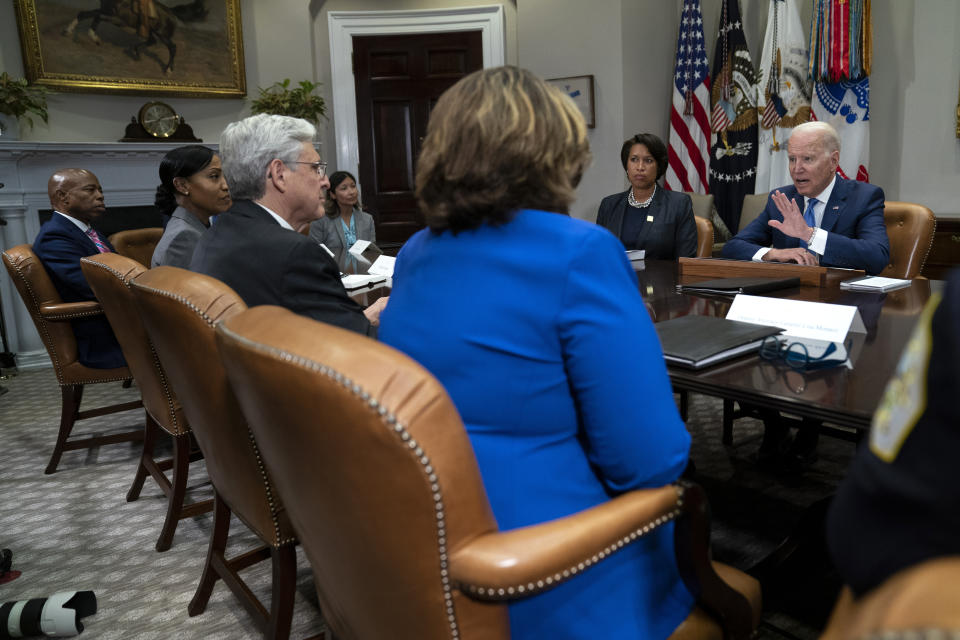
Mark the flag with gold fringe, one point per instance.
(841, 51)
(783, 92)
(689, 143)
(733, 156)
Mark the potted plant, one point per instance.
(18, 101)
(299, 102)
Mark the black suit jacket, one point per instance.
(60, 245)
(671, 235)
(264, 263)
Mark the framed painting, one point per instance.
(580, 90)
(193, 48)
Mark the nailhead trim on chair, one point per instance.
(271, 500)
(72, 316)
(47, 340)
(178, 429)
(412, 445)
(531, 588)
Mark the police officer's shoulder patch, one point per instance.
(905, 397)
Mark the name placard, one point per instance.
(382, 266)
(815, 320)
(359, 247)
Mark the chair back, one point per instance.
(109, 275)
(35, 287)
(137, 244)
(702, 204)
(910, 228)
(375, 469)
(704, 237)
(923, 598)
(753, 206)
(179, 309)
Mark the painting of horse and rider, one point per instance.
(175, 47)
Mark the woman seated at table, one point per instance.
(647, 216)
(534, 324)
(192, 189)
(343, 222)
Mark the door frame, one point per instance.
(343, 25)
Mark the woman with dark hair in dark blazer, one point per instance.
(192, 189)
(647, 216)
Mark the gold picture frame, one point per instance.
(114, 50)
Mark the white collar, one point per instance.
(283, 223)
(824, 196)
(83, 226)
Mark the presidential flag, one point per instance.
(783, 92)
(733, 157)
(689, 120)
(840, 58)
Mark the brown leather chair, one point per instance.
(137, 244)
(702, 204)
(919, 602)
(109, 275)
(179, 310)
(753, 205)
(383, 490)
(51, 315)
(704, 237)
(910, 228)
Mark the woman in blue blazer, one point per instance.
(534, 324)
(647, 216)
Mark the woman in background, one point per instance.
(343, 222)
(533, 322)
(192, 188)
(647, 216)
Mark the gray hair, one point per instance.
(247, 147)
(828, 136)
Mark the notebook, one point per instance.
(733, 286)
(699, 341)
(874, 283)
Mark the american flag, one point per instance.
(689, 121)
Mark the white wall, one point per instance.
(579, 39)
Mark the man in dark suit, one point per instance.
(277, 182)
(841, 225)
(77, 200)
(820, 219)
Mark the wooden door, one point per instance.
(399, 79)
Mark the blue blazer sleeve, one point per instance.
(633, 432)
(859, 239)
(60, 250)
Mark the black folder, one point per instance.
(699, 341)
(733, 286)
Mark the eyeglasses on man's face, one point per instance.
(319, 167)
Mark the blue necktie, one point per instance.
(808, 217)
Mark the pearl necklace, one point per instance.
(632, 200)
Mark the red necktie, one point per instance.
(101, 245)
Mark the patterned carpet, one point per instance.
(74, 530)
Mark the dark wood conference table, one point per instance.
(841, 396)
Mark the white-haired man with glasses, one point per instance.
(277, 181)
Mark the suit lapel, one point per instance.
(655, 209)
(836, 205)
(338, 225)
(80, 236)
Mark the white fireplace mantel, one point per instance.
(128, 173)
